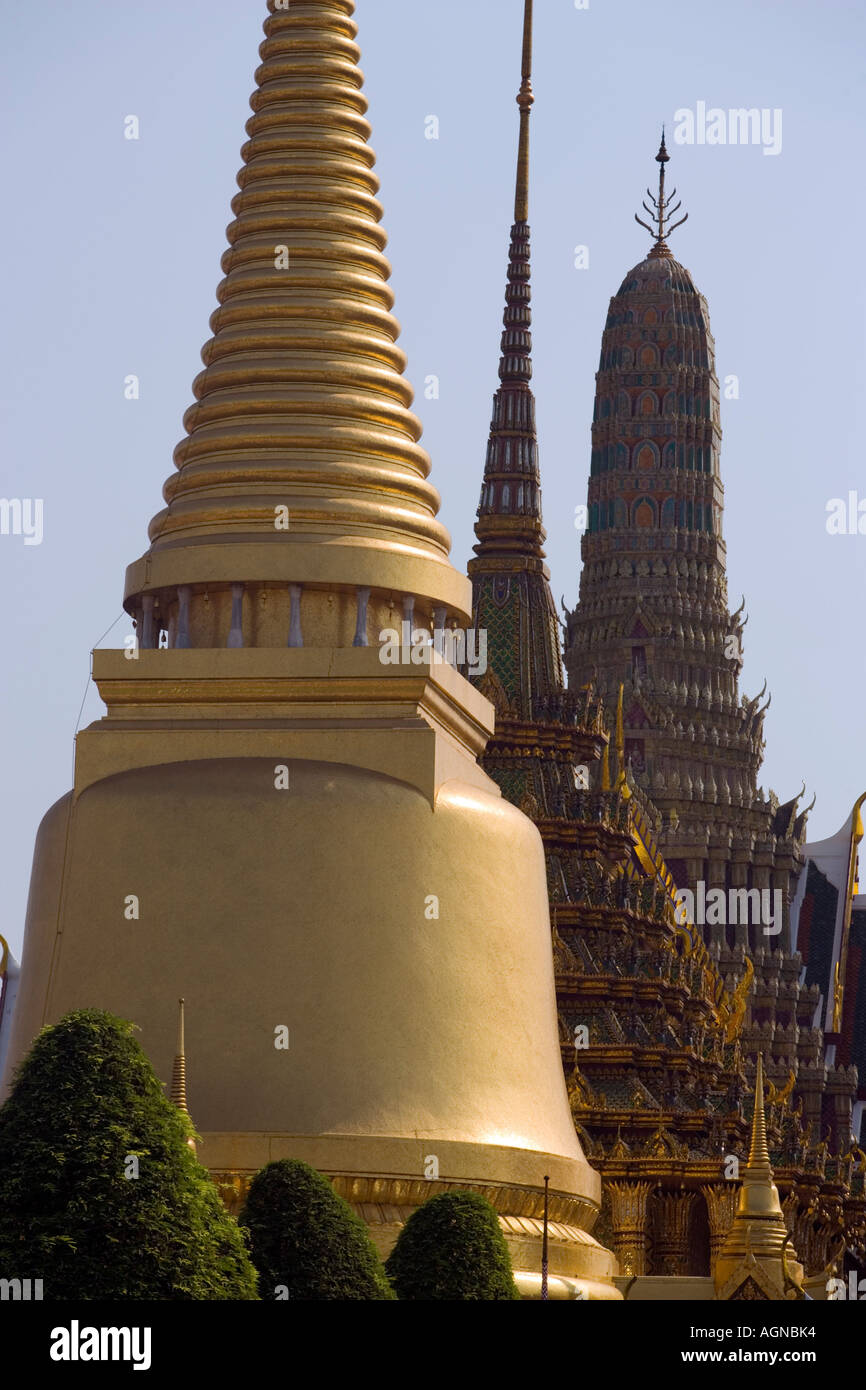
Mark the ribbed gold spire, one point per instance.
(303, 464)
(759, 1197)
(759, 1153)
(177, 1094)
(758, 1244)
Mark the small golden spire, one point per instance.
(758, 1242)
(525, 101)
(759, 1153)
(661, 211)
(178, 1072)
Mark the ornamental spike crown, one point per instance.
(661, 210)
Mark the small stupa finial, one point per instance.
(759, 1153)
(757, 1246)
(661, 211)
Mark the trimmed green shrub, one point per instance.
(452, 1248)
(306, 1241)
(101, 1196)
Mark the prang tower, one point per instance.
(653, 611)
(653, 623)
(269, 821)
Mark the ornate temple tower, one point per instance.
(270, 821)
(653, 614)
(653, 622)
(658, 1035)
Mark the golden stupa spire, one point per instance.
(302, 465)
(759, 1196)
(759, 1153)
(758, 1244)
(177, 1094)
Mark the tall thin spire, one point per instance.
(177, 1094)
(661, 211)
(525, 101)
(509, 514)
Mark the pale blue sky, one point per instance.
(110, 251)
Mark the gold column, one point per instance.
(721, 1200)
(628, 1206)
(672, 1215)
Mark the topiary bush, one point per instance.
(306, 1241)
(101, 1195)
(452, 1248)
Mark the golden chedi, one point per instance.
(271, 822)
(757, 1261)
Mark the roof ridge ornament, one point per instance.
(661, 211)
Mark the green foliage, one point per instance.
(306, 1241)
(85, 1103)
(452, 1248)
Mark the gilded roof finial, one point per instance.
(525, 101)
(178, 1071)
(661, 211)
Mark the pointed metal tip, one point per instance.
(525, 101)
(663, 209)
(178, 1077)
